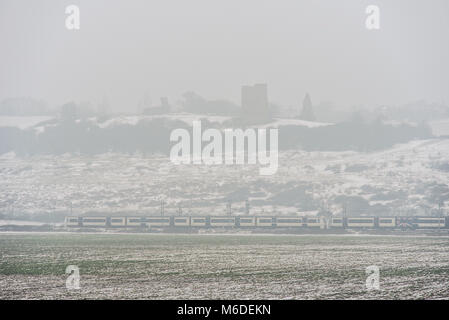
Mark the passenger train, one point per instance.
(259, 222)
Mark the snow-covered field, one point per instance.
(411, 176)
(188, 118)
(277, 122)
(128, 266)
(20, 223)
(22, 122)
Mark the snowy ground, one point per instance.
(188, 118)
(127, 266)
(20, 223)
(22, 122)
(408, 176)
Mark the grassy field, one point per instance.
(166, 266)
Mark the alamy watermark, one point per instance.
(73, 280)
(373, 279)
(72, 21)
(372, 21)
(189, 150)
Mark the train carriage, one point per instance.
(361, 222)
(222, 221)
(117, 221)
(265, 222)
(94, 221)
(134, 222)
(72, 222)
(289, 222)
(430, 222)
(198, 221)
(181, 221)
(337, 222)
(387, 222)
(247, 222)
(315, 222)
(156, 221)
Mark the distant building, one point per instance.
(255, 104)
(69, 111)
(164, 103)
(307, 109)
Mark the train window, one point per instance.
(370, 220)
(246, 220)
(430, 221)
(199, 220)
(116, 220)
(157, 220)
(289, 220)
(222, 220)
(180, 220)
(265, 220)
(94, 220)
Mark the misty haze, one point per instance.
(224, 149)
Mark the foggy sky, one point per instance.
(126, 49)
